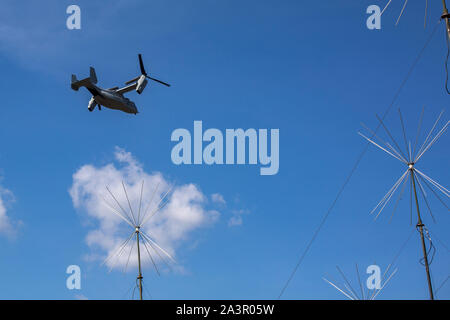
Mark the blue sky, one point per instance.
(310, 69)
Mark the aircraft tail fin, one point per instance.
(86, 82)
(74, 81)
(93, 76)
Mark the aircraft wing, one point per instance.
(128, 88)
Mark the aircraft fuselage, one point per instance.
(111, 99)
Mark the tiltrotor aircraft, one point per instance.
(113, 97)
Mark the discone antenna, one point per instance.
(136, 219)
(419, 181)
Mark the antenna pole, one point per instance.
(420, 225)
(446, 16)
(139, 278)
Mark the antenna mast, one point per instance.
(446, 16)
(420, 225)
(139, 277)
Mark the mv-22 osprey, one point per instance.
(113, 97)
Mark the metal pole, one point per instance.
(420, 225)
(446, 16)
(139, 263)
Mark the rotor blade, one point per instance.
(141, 64)
(162, 82)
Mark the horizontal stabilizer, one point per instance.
(86, 82)
(76, 84)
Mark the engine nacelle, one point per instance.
(92, 104)
(141, 83)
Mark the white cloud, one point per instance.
(184, 212)
(236, 219)
(218, 198)
(6, 226)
